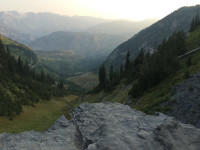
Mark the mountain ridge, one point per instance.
(28, 26)
(121, 26)
(151, 36)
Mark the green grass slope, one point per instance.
(63, 62)
(193, 39)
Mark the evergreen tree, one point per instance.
(20, 65)
(128, 62)
(60, 84)
(195, 22)
(192, 26)
(111, 73)
(189, 61)
(152, 69)
(102, 75)
(8, 50)
(121, 71)
(42, 76)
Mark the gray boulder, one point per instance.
(60, 136)
(108, 126)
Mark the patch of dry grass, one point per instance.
(38, 118)
(87, 81)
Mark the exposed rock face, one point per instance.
(185, 102)
(108, 126)
(60, 136)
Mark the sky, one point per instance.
(110, 9)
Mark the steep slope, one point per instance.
(110, 126)
(121, 26)
(17, 49)
(161, 85)
(83, 51)
(153, 35)
(20, 85)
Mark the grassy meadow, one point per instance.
(40, 117)
(87, 81)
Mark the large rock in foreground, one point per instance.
(108, 126)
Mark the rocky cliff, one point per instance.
(108, 126)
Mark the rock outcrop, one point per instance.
(185, 102)
(108, 126)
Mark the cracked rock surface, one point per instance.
(108, 126)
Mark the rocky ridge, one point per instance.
(108, 126)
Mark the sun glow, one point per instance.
(132, 9)
(115, 9)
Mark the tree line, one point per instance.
(195, 22)
(147, 69)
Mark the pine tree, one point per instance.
(192, 26)
(189, 61)
(60, 84)
(121, 71)
(128, 62)
(111, 73)
(42, 76)
(20, 66)
(8, 50)
(102, 75)
(195, 22)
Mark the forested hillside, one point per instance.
(149, 81)
(20, 85)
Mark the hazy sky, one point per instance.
(117, 9)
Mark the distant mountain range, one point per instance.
(40, 24)
(150, 37)
(82, 42)
(25, 27)
(68, 53)
(121, 26)
(89, 39)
